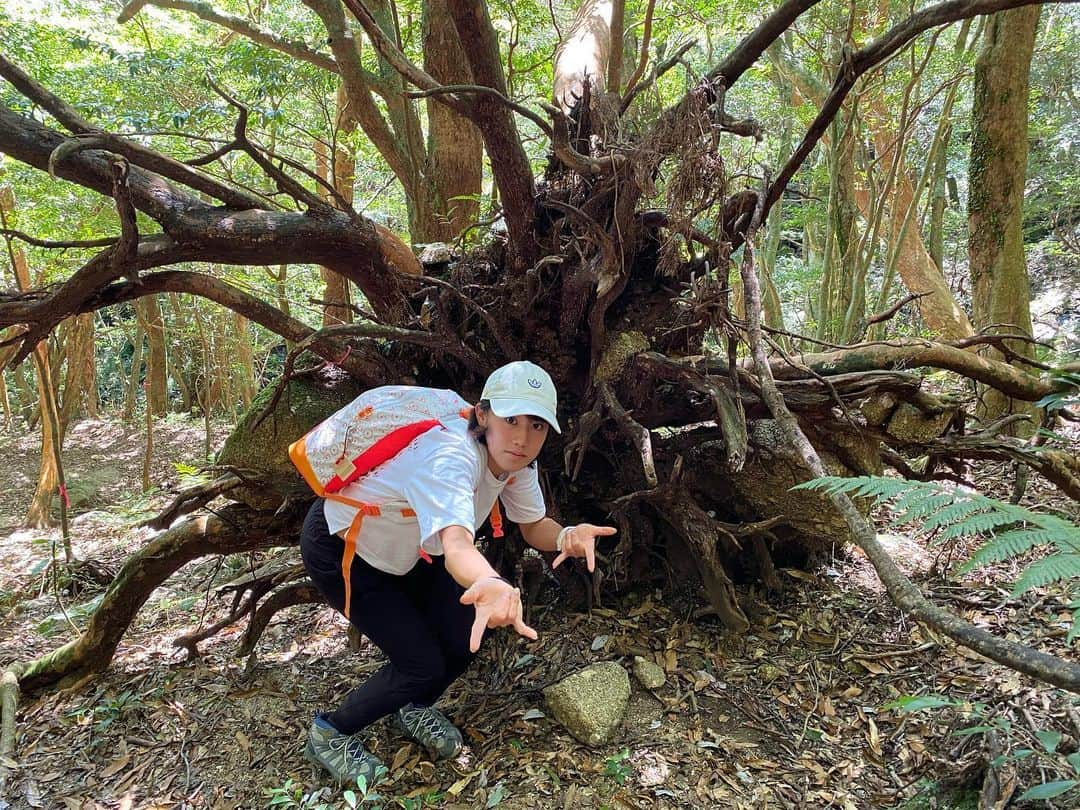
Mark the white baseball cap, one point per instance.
(522, 388)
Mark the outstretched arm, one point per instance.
(497, 602)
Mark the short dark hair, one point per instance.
(475, 428)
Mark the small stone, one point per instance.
(648, 674)
(769, 672)
(591, 703)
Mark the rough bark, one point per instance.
(455, 146)
(509, 163)
(157, 375)
(1000, 292)
(582, 57)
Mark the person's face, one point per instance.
(513, 442)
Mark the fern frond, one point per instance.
(1049, 569)
(1007, 545)
(921, 508)
(870, 486)
(979, 523)
(958, 512)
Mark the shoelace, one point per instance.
(354, 748)
(429, 719)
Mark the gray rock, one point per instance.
(591, 703)
(648, 674)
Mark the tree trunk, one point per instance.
(38, 516)
(180, 369)
(80, 380)
(999, 147)
(455, 146)
(131, 396)
(157, 387)
(340, 175)
(245, 361)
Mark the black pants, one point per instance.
(415, 619)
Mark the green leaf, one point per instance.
(1074, 760)
(911, 703)
(496, 796)
(1049, 569)
(1049, 790)
(1049, 739)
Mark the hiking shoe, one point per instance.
(431, 728)
(343, 755)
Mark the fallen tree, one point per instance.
(690, 449)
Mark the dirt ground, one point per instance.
(794, 713)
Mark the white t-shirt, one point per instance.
(443, 477)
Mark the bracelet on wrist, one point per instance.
(561, 538)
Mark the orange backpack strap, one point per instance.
(363, 510)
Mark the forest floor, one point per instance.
(795, 713)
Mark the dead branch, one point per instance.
(105, 241)
(298, 593)
(233, 529)
(910, 353)
(231, 22)
(890, 313)
(903, 592)
(638, 435)
(246, 595)
(9, 701)
(193, 498)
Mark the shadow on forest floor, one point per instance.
(793, 714)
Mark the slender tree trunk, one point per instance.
(998, 167)
(157, 388)
(181, 354)
(939, 201)
(340, 174)
(80, 380)
(455, 146)
(49, 474)
(245, 362)
(135, 377)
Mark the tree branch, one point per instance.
(856, 64)
(203, 10)
(136, 153)
(907, 597)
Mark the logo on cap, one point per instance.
(534, 383)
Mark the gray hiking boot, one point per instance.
(431, 728)
(343, 755)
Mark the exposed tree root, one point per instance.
(9, 701)
(234, 529)
(255, 586)
(903, 592)
(297, 593)
(704, 536)
(192, 498)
